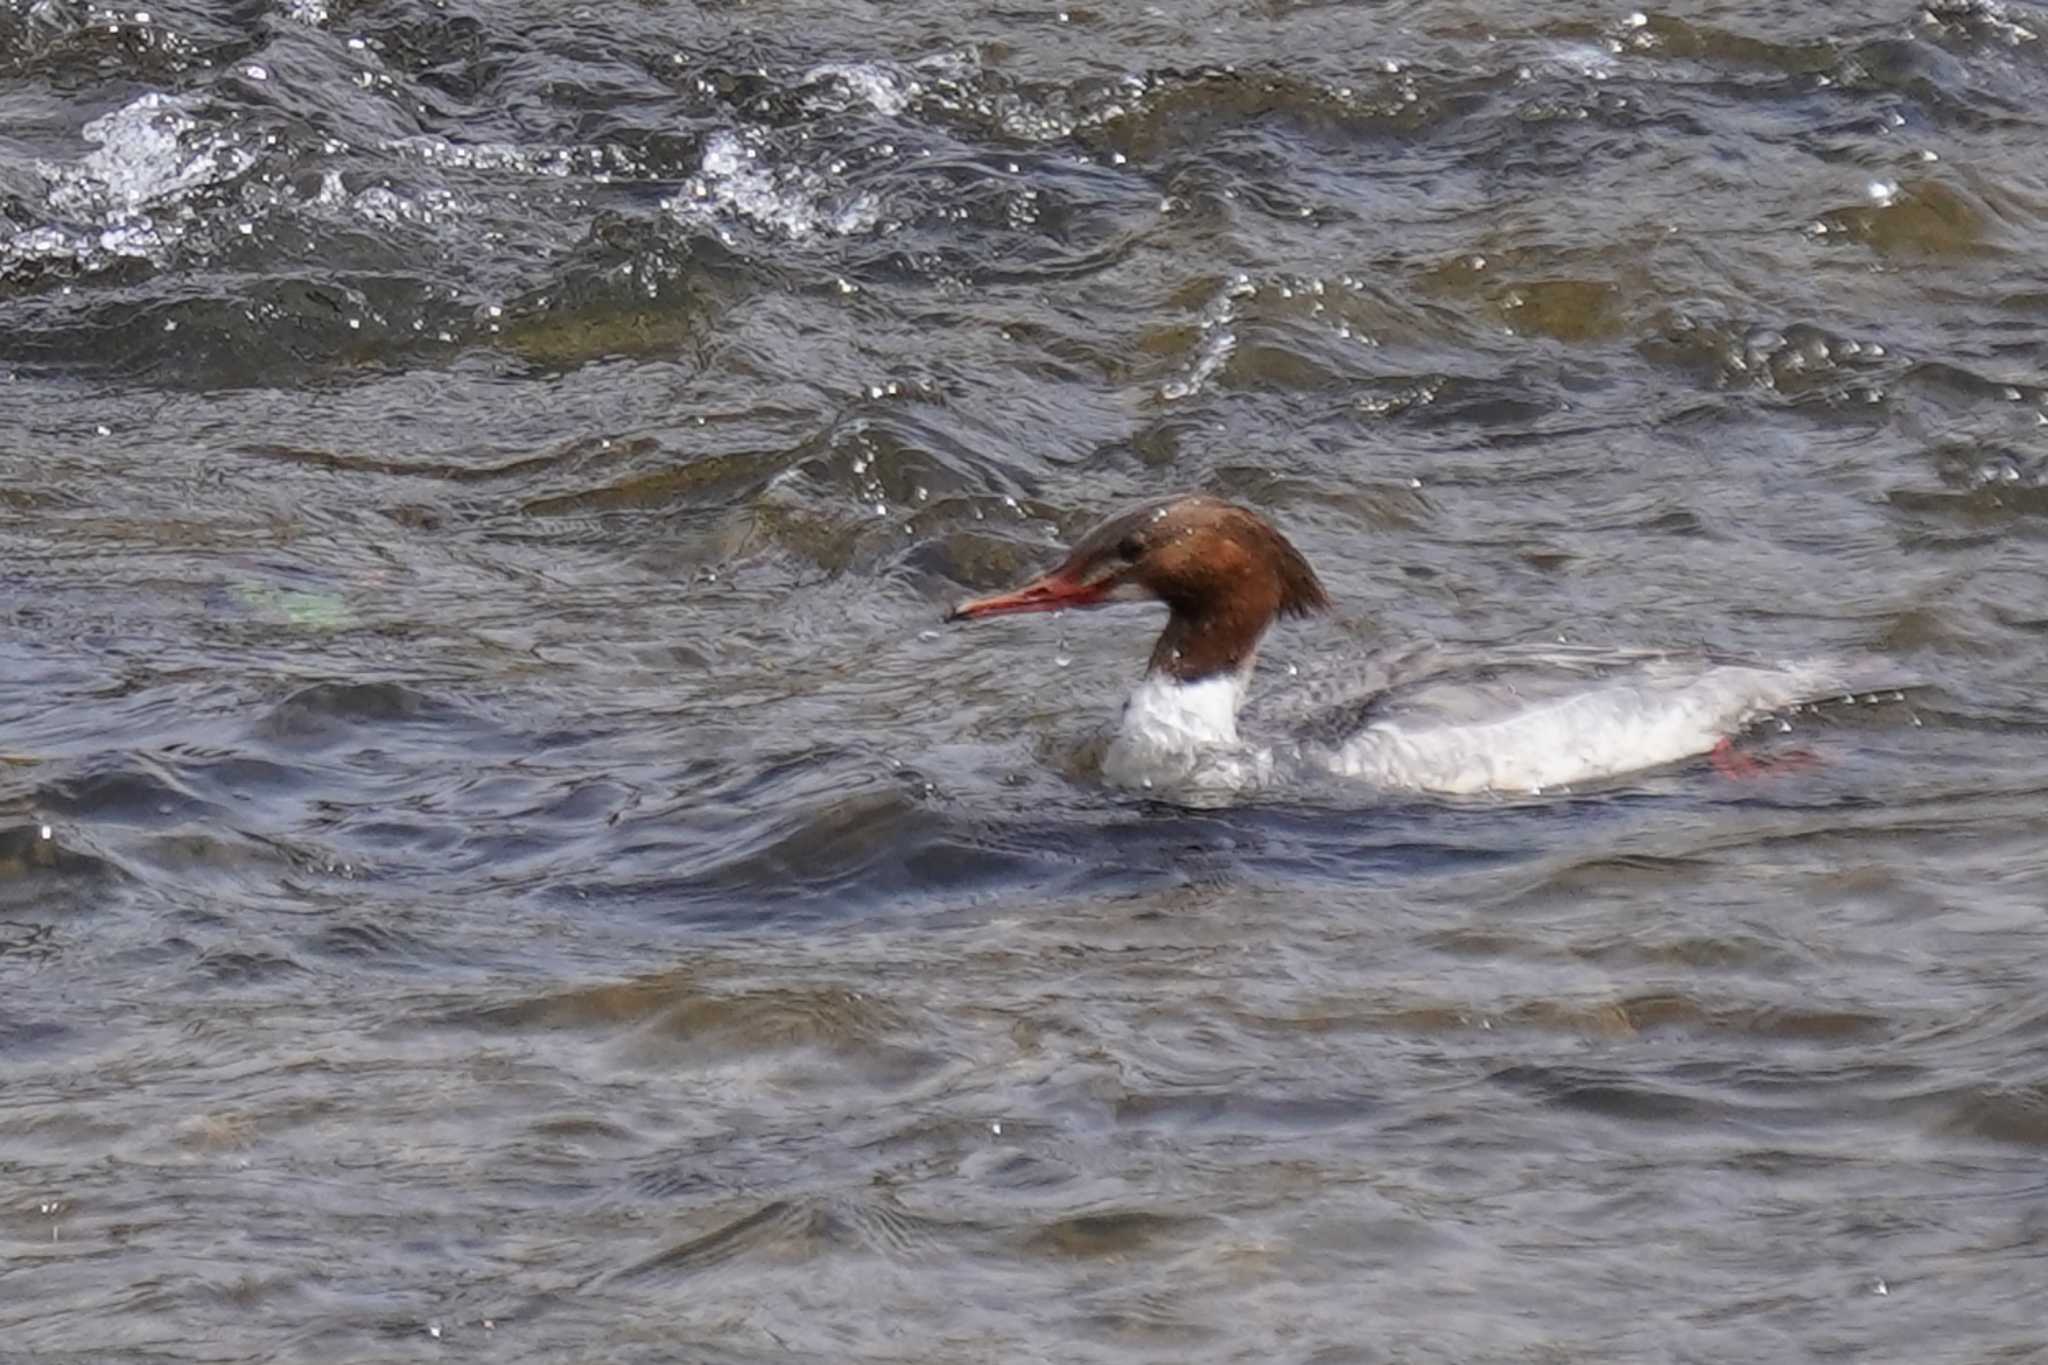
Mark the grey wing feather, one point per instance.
(1450, 685)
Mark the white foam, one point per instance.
(1218, 341)
(738, 177)
(142, 158)
(125, 197)
(884, 91)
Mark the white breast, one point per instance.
(1184, 734)
(1510, 722)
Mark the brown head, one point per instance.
(1223, 572)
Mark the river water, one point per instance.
(499, 859)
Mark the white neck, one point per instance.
(1166, 713)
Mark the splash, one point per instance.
(862, 85)
(738, 178)
(129, 196)
(1217, 339)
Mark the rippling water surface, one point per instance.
(498, 860)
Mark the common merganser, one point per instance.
(1438, 721)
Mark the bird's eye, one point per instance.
(1130, 549)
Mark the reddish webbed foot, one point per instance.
(1732, 763)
